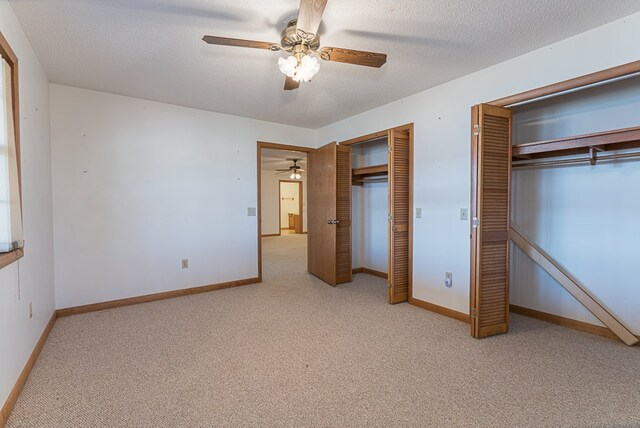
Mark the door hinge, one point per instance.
(390, 217)
(390, 148)
(474, 313)
(476, 130)
(475, 222)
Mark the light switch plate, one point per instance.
(418, 212)
(251, 211)
(185, 263)
(464, 214)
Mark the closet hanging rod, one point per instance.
(531, 164)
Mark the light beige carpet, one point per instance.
(295, 352)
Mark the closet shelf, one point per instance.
(627, 138)
(371, 171)
(370, 174)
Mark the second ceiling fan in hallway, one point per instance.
(294, 170)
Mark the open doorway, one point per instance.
(292, 206)
(282, 209)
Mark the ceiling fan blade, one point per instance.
(350, 56)
(226, 41)
(283, 170)
(310, 15)
(290, 84)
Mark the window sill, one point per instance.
(7, 258)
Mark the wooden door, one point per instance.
(399, 215)
(490, 206)
(343, 214)
(329, 214)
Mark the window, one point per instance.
(11, 240)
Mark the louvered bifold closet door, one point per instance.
(399, 215)
(343, 211)
(491, 187)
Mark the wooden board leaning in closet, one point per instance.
(490, 226)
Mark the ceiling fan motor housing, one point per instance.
(297, 41)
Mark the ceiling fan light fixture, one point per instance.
(300, 39)
(300, 71)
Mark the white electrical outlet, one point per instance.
(30, 310)
(448, 279)
(251, 211)
(185, 263)
(418, 212)
(464, 214)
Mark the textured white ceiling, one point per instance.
(272, 159)
(152, 49)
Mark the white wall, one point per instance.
(442, 154)
(30, 279)
(269, 204)
(584, 216)
(140, 185)
(370, 210)
(370, 226)
(270, 183)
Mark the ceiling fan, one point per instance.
(300, 38)
(294, 169)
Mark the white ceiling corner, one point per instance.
(152, 49)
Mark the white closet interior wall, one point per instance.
(584, 216)
(370, 207)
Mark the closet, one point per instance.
(560, 168)
(370, 207)
(360, 210)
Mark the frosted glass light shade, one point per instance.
(288, 66)
(308, 67)
(302, 71)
